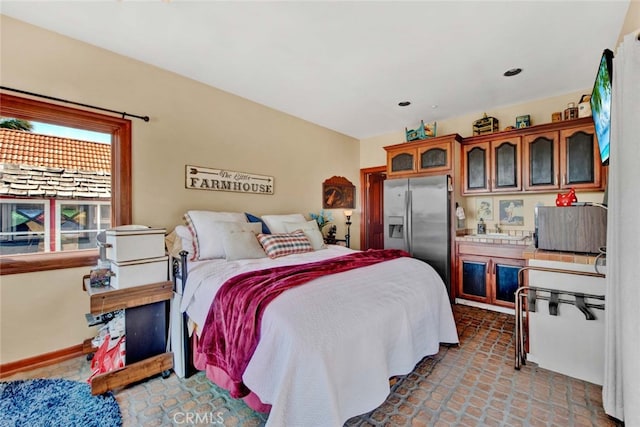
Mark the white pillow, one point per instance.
(242, 245)
(207, 229)
(310, 228)
(203, 216)
(276, 222)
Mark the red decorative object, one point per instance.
(565, 199)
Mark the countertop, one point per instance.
(525, 238)
(577, 258)
(519, 238)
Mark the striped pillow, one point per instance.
(281, 244)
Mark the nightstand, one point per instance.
(146, 324)
(340, 242)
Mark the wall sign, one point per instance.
(199, 178)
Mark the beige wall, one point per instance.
(631, 22)
(190, 124)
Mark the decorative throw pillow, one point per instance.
(281, 244)
(242, 245)
(253, 218)
(275, 222)
(310, 228)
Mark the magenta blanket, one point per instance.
(231, 332)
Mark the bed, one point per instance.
(324, 349)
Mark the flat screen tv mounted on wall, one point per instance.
(601, 104)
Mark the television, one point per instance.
(601, 104)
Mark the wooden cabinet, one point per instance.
(401, 161)
(541, 161)
(146, 331)
(433, 156)
(492, 166)
(580, 165)
(488, 273)
(540, 158)
(562, 159)
(475, 168)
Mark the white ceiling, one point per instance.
(346, 65)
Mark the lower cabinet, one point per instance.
(488, 279)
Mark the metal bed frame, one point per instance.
(530, 295)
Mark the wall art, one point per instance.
(200, 178)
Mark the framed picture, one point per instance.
(338, 193)
(484, 208)
(512, 212)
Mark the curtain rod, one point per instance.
(122, 113)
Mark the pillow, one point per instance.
(310, 228)
(275, 222)
(179, 240)
(253, 218)
(200, 223)
(241, 245)
(281, 244)
(207, 234)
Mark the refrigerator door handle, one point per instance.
(409, 233)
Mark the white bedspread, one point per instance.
(328, 348)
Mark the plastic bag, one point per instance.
(108, 357)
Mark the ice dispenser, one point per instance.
(396, 227)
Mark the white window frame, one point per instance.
(47, 218)
(58, 217)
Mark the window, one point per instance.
(29, 221)
(24, 225)
(79, 222)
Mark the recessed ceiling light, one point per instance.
(512, 72)
(434, 106)
(404, 103)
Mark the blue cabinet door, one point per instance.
(474, 278)
(490, 280)
(506, 280)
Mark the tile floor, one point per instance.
(473, 384)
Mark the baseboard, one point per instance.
(490, 307)
(40, 361)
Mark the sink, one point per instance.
(503, 236)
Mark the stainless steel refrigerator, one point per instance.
(417, 219)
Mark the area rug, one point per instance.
(55, 402)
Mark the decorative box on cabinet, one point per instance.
(146, 328)
(134, 242)
(433, 156)
(488, 273)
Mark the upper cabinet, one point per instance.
(541, 161)
(433, 156)
(580, 164)
(492, 166)
(547, 157)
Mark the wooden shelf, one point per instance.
(131, 373)
(106, 299)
